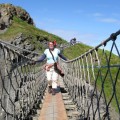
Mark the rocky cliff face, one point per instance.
(8, 11)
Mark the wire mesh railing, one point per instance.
(93, 80)
(22, 85)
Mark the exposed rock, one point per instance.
(21, 41)
(8, 11)
(20, 38)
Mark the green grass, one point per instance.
(20, 26)
(76, 50)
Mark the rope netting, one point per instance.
(22, 85)
(93, 80)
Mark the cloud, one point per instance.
(86, 38)
(97, 14)
(110, 20)
(116, 14)
(45, 22)
(78, 11)
(52, 20)
(101, 17)
(38, 23)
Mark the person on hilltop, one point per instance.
(73, 41)
(51, 53)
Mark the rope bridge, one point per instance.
(92, 80)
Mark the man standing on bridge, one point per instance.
(51, 54)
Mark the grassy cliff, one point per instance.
(20, 26)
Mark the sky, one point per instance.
(89, 21)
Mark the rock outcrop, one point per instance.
(8, 11)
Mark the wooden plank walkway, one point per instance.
(53, 108)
